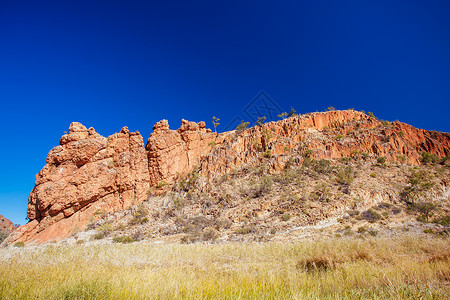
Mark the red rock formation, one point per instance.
(6, 225)
(85, 176)
(89, 174)
(174, 153)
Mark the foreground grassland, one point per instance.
(406, 267)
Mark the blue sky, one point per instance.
(109, 64)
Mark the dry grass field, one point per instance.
(370, 268)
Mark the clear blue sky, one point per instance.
(109, 64)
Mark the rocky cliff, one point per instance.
(89, 175)
(333, 134)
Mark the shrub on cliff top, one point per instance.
(241, 127)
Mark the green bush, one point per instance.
(345, 176)
(264, 186)
(322, 166)
(283, 115)
(261, 120)
(241, 127)
(444, 220)
(285, 217)
(425, 208)
(422, 219)
(429, 158)
(381, 160)
(419, 183)
(209, 234)
(267, 153)
(243, 230)
(139, 216)
(292, 113)
(307, 162)
(353, 213)
(396, 210)
(105, 229)
(370, 114)
(99, 236)
(371, 215)
(372, 232)
(321, 192)
(401, 158)
(162, 184)
(362, 230)
(124, 239)
(308, 153)
(3, 236)
(190, 182)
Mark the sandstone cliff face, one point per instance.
(174, 153)
(85, 176)
(88, 174)
(333, 134)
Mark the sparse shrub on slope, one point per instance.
(381, 160)
(3, 236)
(139, 216)
(429, 158)
(444, 220)
(419, 183)
(124, 239)
(370, 215)
(189, 183)
(425, 208)
(321, 192)
(264, 186)
(345, 176)
(322, 166)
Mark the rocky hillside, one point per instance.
(269, 178)
(314, 198)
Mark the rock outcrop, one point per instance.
(88, 175)
(174, 153)
(6, 225)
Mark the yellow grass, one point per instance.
(376, 268)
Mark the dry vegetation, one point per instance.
(339, 268)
